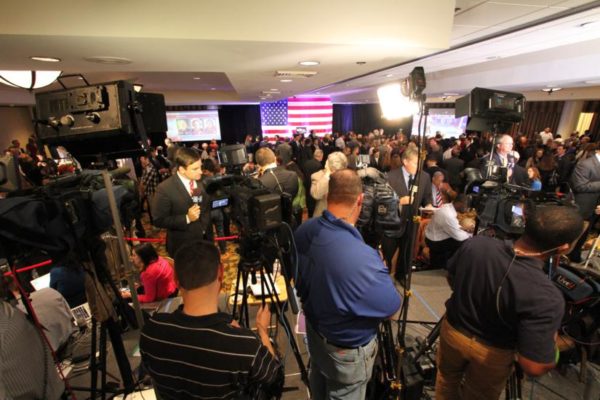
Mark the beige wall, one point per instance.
(15, 123)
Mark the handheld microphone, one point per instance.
(197, 196)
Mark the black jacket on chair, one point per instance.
(169, 209)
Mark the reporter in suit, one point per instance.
(180, 204)
(400, 180)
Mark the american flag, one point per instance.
(285, 116)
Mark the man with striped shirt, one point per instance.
(197, 352)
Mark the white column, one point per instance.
(569, 117)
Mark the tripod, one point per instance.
(249, 269)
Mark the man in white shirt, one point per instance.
(546, 135)
(443, 234)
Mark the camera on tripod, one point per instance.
(254, 208)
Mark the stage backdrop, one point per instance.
(300, 114)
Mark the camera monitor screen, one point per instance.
(193, 126)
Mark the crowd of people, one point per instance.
(498, 308)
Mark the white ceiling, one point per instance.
(235, 47)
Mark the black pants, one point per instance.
(388, 248)
(441, 251)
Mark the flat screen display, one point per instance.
(193, 126)
(442, 120)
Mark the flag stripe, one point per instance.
(309, 107)
(293, 111)
(293, 121)
(309, 98)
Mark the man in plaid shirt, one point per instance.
(149, 182)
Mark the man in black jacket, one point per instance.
(310, 167)
(275, 177)
(180, 204)
(402, 180)
(585, 182)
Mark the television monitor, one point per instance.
(442, 120)
(193, 126)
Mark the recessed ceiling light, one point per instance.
(108, 60)
(309, 63)
(196, 78)
(389, 75)
(45, 59)
(285, 80)
(80, 77)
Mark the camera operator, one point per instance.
(197, 352)
(502, 305)
(275, 177)
(179, 202)
(345, 292)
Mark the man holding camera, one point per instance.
(345, 291)
(197, 352)
(180, 204)
(503, 305)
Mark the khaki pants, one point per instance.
(468, 369)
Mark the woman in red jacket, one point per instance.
(156, 274)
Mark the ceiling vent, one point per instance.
(295, 74)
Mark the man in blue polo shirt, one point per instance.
(345, 291)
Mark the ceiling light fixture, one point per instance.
(138, 87)
(28, 79)
(389, 75)
(108, 60)
(551, 90)
(45, 59)
(309, 63)
(285, 80)
(196, 78)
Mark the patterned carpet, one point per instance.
(229, 259)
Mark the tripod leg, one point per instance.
(103, 361)
(120, 355)
(94, 360)
(286, 326)
(235, 296)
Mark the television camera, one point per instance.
(262, 218)
(501, 206)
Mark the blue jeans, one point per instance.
(338, 373)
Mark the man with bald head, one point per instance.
(338, 277)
